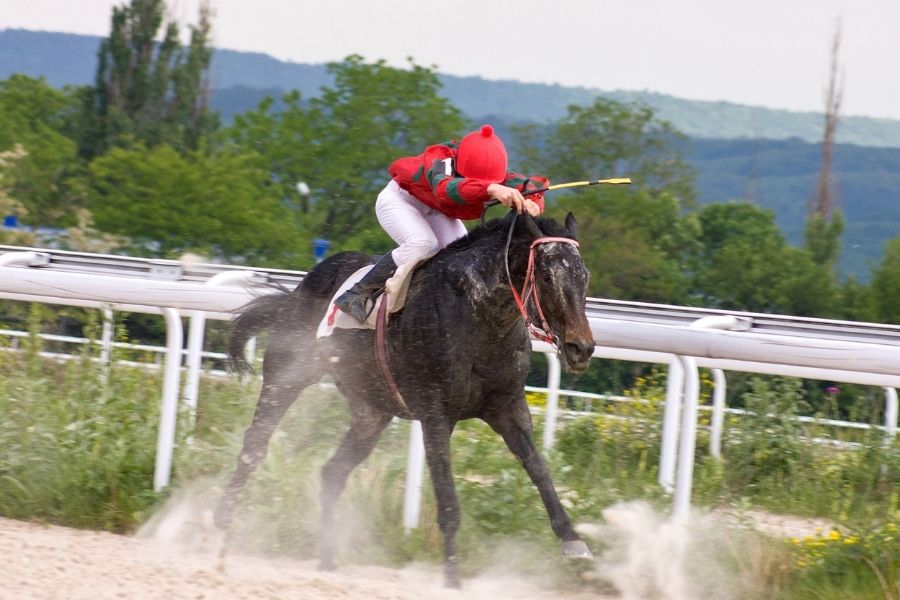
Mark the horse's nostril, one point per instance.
(582, 348)
(579, 351)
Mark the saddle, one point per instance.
(394, 294)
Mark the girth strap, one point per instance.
(381, 356)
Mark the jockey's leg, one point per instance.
(419, 231)
(355, 301)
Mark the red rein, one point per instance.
(529, 290)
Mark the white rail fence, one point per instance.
(156, 354)
(683, 338)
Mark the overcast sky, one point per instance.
(773, 53)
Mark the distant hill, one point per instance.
(771, 157)
(71, 59)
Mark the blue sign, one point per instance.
(320, 248)
(10, 221)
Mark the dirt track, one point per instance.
(171, 560)
(47, 562)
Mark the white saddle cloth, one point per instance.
(395, 295)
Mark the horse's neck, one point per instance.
(480, 271)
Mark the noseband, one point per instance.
(529, 287)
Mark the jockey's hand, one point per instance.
(507, 196)
(532, 207)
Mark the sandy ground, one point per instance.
(48, 562)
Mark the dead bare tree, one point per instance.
(824, 224)
(822, 201)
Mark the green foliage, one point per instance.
(768, 157)
(886, 284)
(611, 139)
(341, 143)
(632, 242)
(855, 564)
(38, 159)
(767, 441)
(170, 203)
(70, 454)
(741, 256)
(823, 238)
(146, 90)
(634, 239)
(856, 302)
(743, 262)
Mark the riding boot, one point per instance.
(355, 301)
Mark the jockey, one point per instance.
(423, 206)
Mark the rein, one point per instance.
(529, 286)
(382, 357)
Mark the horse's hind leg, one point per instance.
(366, 425)
(514, 425)
(281, 386)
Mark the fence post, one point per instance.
(687, 439)
(552, 408)
(415, 474)
(168, 414)
(671, 416)
(890, 414)
(718, 413)
(197, 330)
(106, 345)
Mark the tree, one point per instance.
(886, 284)
(857, 302)
(149, 91)
(632, 242)
(40, 161)
(169, 203)
(610, 139)
(632, 238)
(824, 225)
(745, 263)
(341, 143)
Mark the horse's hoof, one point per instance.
(221, 518)
(576, 549)
(327, 565)
(451, 574)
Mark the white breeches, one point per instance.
(419, 230)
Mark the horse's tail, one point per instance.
(256, 316)
(298, 310)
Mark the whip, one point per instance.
(571, 184)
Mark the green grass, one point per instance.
(77, 447)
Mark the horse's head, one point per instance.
(555, 289)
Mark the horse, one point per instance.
(458, 349)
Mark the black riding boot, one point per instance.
(355, 300)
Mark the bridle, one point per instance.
(529, 286)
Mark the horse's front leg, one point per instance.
(437, 432)
(514, 425)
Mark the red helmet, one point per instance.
(482, 155)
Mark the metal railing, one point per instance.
(684, 338)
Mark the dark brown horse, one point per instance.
(458, 349)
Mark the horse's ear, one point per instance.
(531, 225)
(571, 225)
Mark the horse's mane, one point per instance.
(496, 228)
